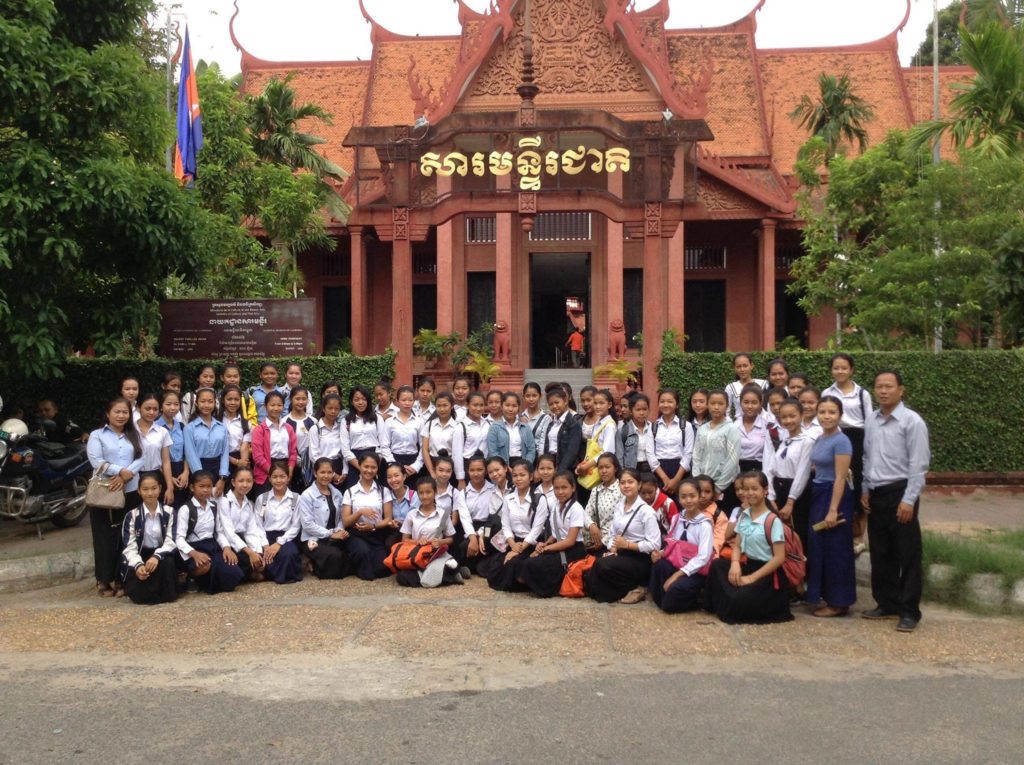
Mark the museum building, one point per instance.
(575, 162)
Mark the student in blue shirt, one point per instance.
(116, 451)
(406, 500)
(206, 440)
(268, 384)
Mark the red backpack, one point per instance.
(795, 564)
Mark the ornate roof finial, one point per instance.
(528, 89)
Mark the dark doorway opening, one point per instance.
(337, 319)
(705, 315)
(555, 279)
(790, 318)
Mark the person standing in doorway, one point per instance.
(576, 344)
(896, 459)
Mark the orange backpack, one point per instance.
(572, 584)
(409, 556)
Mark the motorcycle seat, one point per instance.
(71, 457)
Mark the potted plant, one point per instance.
(432, 346)
(621, 370)
(482, 365)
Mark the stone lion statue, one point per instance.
(616, 339)
(502, 342)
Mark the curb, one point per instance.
(40, 571)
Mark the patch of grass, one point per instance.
(968, 557)
(1011, 539)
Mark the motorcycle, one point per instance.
(41, 480)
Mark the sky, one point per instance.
(334, 30)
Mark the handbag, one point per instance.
(594, 450)
(679, 552)
(99, 494)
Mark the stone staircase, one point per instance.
(577, 378)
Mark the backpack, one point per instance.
(193, 518)
(795, 564)
(774, 435)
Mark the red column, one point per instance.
(358, 289)
(445, 268)
(766, 285)
(655, 294)
(677, 280)
(503, 274)
(614, 249)
(401, 296)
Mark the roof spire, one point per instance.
(528, 89)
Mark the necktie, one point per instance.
(332, 516)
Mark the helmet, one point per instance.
(16, 428)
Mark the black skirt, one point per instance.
(222, 576)
(747, 466)
(181, 496)
(856, 436)
(287, 565)
(758, 603)
(670, 468)
(502, 574)
(612, 577)
(543, 575)
(161, 586)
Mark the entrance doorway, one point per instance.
(704, 303)
(559, 303)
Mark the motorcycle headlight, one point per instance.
(3, 450)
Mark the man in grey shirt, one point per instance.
(896, 458)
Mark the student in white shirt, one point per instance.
(475, 427)
(443, 435)
(633, 433)
(156, 444)
(524, 514)
(743, 366)
(362, 432)
(788, 469)
(493, 402)
(460, 396)
(366, 513)
(544, 476)
(427, 525)
(483, 506)
(299, 421)
(668, 443)
(238, 427)
(405, 501)
(753, 429)
(238, 533)
(424, 406)
(386, 408)
(809, 398)
(778, 374)
(403, 436)
(454, 501)
(277, 516)
(148, 537)
(325, 540)
(542, 572)
(532, 415)
(623, 573)
(130, 392)
(195, 535)
(675, 589)
(604, 433)
(325, 439)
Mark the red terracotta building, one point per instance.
(575, 153)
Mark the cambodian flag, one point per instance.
(190, 119)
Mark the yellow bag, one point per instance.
(594, 450)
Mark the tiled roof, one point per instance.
(391, 101)
(340, 89)
(789, 74)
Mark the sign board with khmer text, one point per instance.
(222, 329)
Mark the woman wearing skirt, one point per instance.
(751, 587)
(675, 590)
(830, 559)
(148, 540)
(544, 570)
(277, 513)
(623, 574)
(524, 515)
(324, 537)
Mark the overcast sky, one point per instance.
(330, 30)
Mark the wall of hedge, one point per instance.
(973, 401)
(88, 384)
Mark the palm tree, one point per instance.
(838, 115)
(1005, 12)
(989, 112)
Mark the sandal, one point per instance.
(828, 612)
(104, 590)
(634, 596)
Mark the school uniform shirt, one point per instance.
(792, 460)
(476, 436)
(562, 520)
(734, 391)
(896, 448)
(403, 437)
(236, 524)
(524, 517)
(154, 441)
(454, 501)
(358, 497)
(238, 433)
(387, 412)
(105, 445)
(360, 434)
(551, 439)
(644, 529)
(325, 440)
(273, 514)
(812, 429)
(301, 429)
(403, 505)
(420, 412)
(752, 537)
(755, 442)
(548, 494)
(314, 513)
(856, 405)
(482, 502)
(538, 424)
(460, 411)
(176, 431)
(143, 530)
(420, 525)
(601, 509)
(673, 440)
(448, 436)
(716, 453)
(206, 525)
(700, 532)
(204, 441)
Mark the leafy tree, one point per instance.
(871, 244)
(1004, 12)
(837, 116)
(1009, 284)
(91, 225)
(988, 114)
(949, 40)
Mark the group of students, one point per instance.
(702, 506)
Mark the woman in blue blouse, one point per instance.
(117, 449)
(830, 566)
(206, 440)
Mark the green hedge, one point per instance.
(973, 401)
(88, 384)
